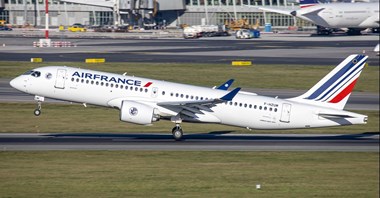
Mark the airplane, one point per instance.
(144, 101)
(354, 16)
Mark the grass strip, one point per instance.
(188, 174)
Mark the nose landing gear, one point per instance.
(39, 99)
(37, 111)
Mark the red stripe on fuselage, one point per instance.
(344, 93)
(306, 6)
(148, 84)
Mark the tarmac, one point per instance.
(367, 142)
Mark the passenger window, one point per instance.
(49, 76)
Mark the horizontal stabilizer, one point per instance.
(334, 116)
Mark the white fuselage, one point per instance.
(245, 110)
(342, 15)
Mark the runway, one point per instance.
(301, 49)
(367, 142)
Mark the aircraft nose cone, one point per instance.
(16, 83)
(13, 83)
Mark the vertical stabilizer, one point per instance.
(335, 88)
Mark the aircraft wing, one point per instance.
(275, 10)
(196, 106)
(285, 12)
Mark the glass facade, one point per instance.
(101, 18)
(219, 11)
(4, 15)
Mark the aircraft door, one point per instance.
(60, 80)
(154, 92)
(285, 113)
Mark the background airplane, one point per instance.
(353, 16)
(144, 101)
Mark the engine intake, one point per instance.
(138, 113)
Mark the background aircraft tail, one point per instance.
(308, 3)
(335, 88)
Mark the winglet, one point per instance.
(230, 95)
(226, 85)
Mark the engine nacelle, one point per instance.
(137, 113)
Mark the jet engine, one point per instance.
(138, 113)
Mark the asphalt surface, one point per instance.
(301, 49)
(367, 142)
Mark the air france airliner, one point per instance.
(144, 101)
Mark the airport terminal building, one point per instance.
(140, 13)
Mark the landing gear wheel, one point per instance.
(177, 133)
(37, 112)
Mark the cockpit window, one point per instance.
(36, 74)
(28, 72)
(33, 73)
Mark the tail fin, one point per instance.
(335, 88)
(308, 3)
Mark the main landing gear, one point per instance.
(39, 99)
(177, 132)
